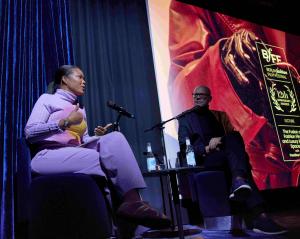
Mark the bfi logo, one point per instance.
(269, 57)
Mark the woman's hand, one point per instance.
(75, 117)
(99, 130)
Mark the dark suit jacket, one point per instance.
(189, 126)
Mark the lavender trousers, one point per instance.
(110, 152)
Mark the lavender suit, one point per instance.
(110, 152)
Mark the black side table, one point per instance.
(171, 175)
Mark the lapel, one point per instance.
(195, 126)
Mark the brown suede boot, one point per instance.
(142, 213)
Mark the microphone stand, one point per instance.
(116, 125)
(161, 128)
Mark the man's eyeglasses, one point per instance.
(197, 95)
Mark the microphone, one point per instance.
(120, 109)
(195, 108)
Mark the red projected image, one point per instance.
(252, 72)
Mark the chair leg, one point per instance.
(125, 229)
(121, 229)
(237, 222)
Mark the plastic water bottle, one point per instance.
(151, 161)
(190, 155)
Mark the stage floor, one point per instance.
(289, 219)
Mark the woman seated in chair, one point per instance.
(57, 128)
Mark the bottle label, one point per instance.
(190, 159)
(151, 164)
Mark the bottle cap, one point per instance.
(149, 149)
(187, 141)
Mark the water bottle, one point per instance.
(151, 161)
(190, 155)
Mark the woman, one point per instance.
(57, 129)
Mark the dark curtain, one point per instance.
(111, 44)
(35, 40)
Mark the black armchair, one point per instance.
(59, 206)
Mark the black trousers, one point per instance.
(234, 161)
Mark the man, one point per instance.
(218, 146)
(219, 51)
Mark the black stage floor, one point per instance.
(290, 219)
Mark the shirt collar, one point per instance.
(66, 95)
(202, 110)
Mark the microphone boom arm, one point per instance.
(161, 127)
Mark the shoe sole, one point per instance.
(268, 233)
(241, 193)
(147, 222)
(151, 224)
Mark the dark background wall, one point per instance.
(111, 43)
(278, 14)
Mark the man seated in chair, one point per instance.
(218, 146)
